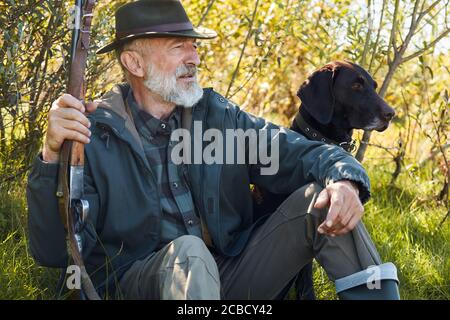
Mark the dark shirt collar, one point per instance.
(146, 124)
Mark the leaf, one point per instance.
(431, 71)
(435, 97)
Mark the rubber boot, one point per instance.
(375, 283)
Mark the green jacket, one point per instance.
(124, 220)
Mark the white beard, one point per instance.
(168, 88)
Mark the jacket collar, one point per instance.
(115, 112)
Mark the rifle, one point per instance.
(73, 208)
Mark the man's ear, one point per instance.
(133, 62)
(317, 95)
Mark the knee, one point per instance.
(192, 253)
(188, 246)
(303, 199)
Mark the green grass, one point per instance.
(20, 278)
(403, 221)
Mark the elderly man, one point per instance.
(159, 229)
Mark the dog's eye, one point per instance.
(357, 86)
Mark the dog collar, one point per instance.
(313, 134)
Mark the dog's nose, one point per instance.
(389, 114)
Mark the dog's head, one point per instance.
(345, 92)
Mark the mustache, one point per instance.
(184, 70)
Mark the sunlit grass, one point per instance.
(403, 221)
(20, 278)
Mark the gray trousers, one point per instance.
(186, 269)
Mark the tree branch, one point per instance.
(429, 46)
(412, 28)
(249, 33)
(380, 25)
(393, 30)
(16, 175)
(425, 12)
(369, 33)
(202, 19)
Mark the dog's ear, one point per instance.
(317, 95)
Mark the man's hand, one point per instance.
(345, 208)
(66, 121)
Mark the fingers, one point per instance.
(336, 203)
(343, 216)
(337, 206)
(322, 199)
(75, 136)
(76, 126)
(69, 101)
(63, 129)
(92, 106)
(355, 220)
(345, 210)
(352, 211)
(66, 121)
(355, 217)
(69, 114)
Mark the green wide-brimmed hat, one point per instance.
(149, 18)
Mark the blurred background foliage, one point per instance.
(264, 51)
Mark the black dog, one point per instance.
(338, 98)
(335, 99)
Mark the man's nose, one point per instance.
(193, 57)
